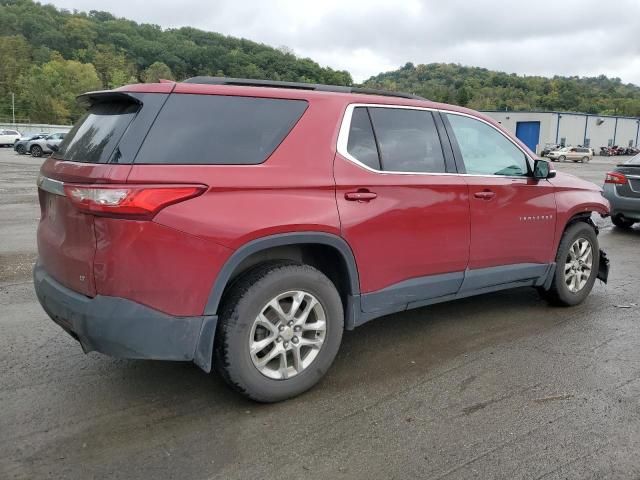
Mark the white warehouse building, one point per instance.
(536, 129)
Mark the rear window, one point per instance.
(219, 130)
(96, 135)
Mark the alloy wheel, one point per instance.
(577, 267)
(287, 334)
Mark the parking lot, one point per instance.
(497, 386)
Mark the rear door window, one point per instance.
(408, 140)
(219, 130)
(96, 135)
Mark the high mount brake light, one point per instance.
(129, 201)
(615, 178)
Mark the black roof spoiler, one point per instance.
(105, 95)
(246, 82)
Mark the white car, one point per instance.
(575, 154)
(9, 137)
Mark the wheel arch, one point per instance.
(296, 246)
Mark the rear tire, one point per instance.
(621, 222)
(585, 159)
(569, 265)
(240, 357)
(36, 151)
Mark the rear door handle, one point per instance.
(360, 196)
(485, 195)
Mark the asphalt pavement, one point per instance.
(496, 386)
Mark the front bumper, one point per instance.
(125, 329)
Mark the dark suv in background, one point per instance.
(243, 225)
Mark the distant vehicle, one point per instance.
(21, 145)
(575, 154)
(548, 148)
(43, 145)
(622, 189)
(9, 137)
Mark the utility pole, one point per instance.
(13, 108)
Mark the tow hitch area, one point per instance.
(603, 269)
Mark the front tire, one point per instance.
(279, 331)
(36, 151)
(21, 150)
(621, 222)
(562, 158)
(577, 263)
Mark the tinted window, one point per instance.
(216, 129)
(95, 136)
(408, 140)
(362, 142)
(485, 150)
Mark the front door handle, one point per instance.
(360, 196)
(485, 195)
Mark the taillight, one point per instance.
(130, 201)
(615, 178)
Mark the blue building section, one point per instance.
(529, 133)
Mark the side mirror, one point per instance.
(542, 169)
(53, 148)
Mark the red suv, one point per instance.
(244, 224)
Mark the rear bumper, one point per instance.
(628, 207)
(125, 329)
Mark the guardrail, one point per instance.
(34, 127)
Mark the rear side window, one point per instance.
(219, 130)
(408, 140)
(95, 136)
(362, 141)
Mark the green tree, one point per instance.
(49, 91)
(156, 72)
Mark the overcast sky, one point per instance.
(365, 37)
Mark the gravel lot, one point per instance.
(498, 386)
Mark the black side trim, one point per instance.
(487, 277)
(277, 241)
(422, 291)
(412, 290)
(457, 153)
(449, 158)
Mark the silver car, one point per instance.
(622, 189)
(575, 154)
(42, 145)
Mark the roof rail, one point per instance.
(246, 82)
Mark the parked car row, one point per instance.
(38, 144)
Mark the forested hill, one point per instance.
(483, 89)
(48, 56)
